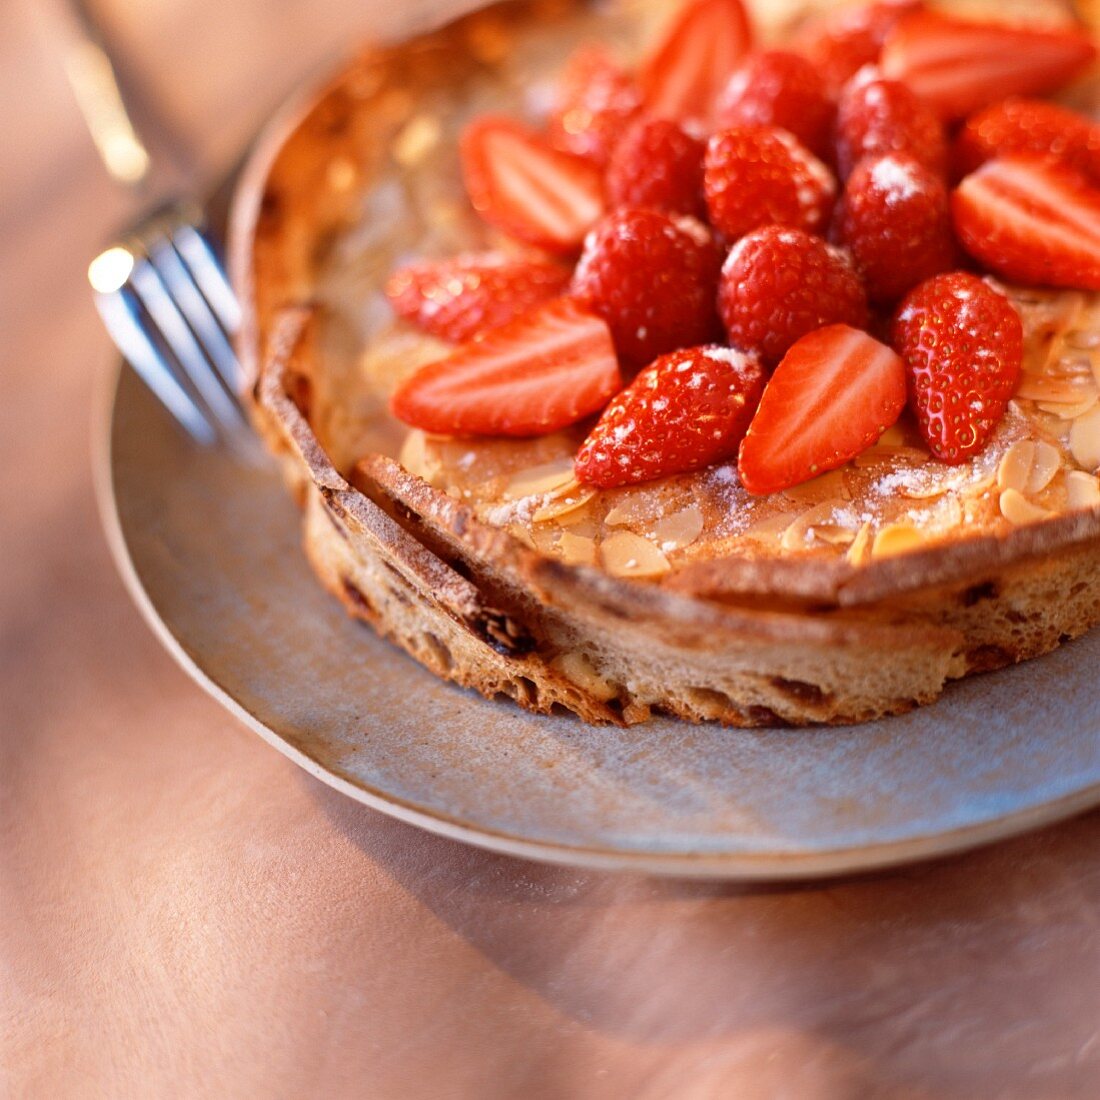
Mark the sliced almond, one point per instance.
(418, 137)
(1071, 410)
(1020, 511)
(621, 515)
(518, 531)
(680, 529)
(625, 554)
(1043, 388)
(1015, 466)
(860, 550)
(562, 505)
(1045, 464)
(898, 538)
(797, 534)
(578, 669)
(414, 456)
(833, 534)
(1084, 440)
(577, 549)
(1082, 490)
(772, 527)
(536, 480)
(830, 486)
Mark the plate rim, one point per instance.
(742, 867)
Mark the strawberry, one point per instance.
(657, 165)
(456, 299)
(962, 343)
(596, 98)
(896, 222)
(1032, 221)
(835, 392)
(527, 188)
(652, 278)
(683, 76)
(841, 42)
(540, 372)
(1029, 126)
(683, 412)
(759, 175)
(779, 88)
(958, 67)
(883, 116)
(779, 284)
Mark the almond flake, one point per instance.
(1015, 466)
(828, 486)
(860, 550)
(680, 529)
(1069, 411)
(537, 480)
(1042, 388)
(577, 549)
(898, 538)
(414, 457)
(417, 139)
(518, 531)
(1082, 490)
(628, 555)
(772, 527)
(1084, 440)
(797, 534)
(561, 505)
(1045, 464)
(1019, 511)
(834, 535)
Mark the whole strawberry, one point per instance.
(778, 284)
(878, 116)
(683, 412)
(652, 278)
(895, 219)
(779, 88)
(658, 165)
(962, 344)
(760, 175)
(456, 299)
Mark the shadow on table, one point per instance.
(951, 975)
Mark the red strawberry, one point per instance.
(758, 175)
(836, 391)
(1032, 221)
(541, 372)
(528, 189)
(1029, 126)
(596, 99)
(652, 278)
(779, 284)
(882, 116)
(896, 222)
(660, 166)
(683, 412)
(683, 76)
(958, 67)
(962, 343)
(778, 88)
(456, 299)
(841, 42)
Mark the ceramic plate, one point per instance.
(210, 549)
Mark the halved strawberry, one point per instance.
(684, 75)
(1031, 220)
(958, 67)
(521, 184)
(835, 392)
(541, 372)
(458, 298)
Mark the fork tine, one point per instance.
(196, 311)
(165, 313)
(208, 273)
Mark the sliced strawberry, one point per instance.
(596, 99)
(518, 182)
(835, 392)
(959, 67)
(456, 299)
(683, 77)
(842, 41)
(1032, 221)
(962, 344)
(1029, 126)
(539, 373)
(683, 412)
(779, 88)
(660, 166)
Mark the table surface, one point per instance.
(183, 912)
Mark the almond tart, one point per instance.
(849, 596)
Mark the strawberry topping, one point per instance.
(1029, 126)
(652, 278)
(684, 75)
(896, 222)
(1031, 220)
(537, 374)
(528, 189)
(779, 284)
(962, 343)
(835, 392)
(456, 299)
(779, 88)
(596, 99)
(760, 175)
(683, 412)
(877, 116)
(660, 166)
(960, 67)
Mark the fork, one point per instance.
(160, 289)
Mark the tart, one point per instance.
(841, 597)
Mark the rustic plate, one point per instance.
(209, 547)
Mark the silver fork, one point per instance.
(160, 288)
